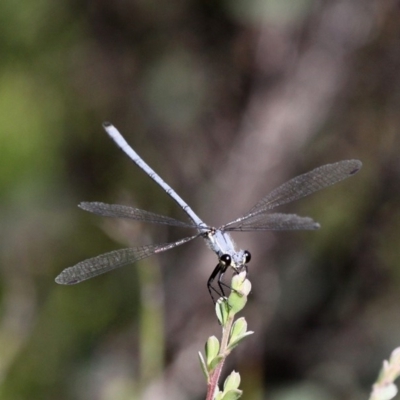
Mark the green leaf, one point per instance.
(241, 284)
(241, 287)
(236, 302)
(386, 392)
(219, 395)
(232, 395)
(222, 310)
(232, 382)
(246, 289)
(212, 348)
(203, 366)
(238, 328)
(233, 343)
(214, 362)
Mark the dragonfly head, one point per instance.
(236, 261)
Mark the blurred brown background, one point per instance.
(226, 100)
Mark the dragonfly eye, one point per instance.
(247, 257)
(226, 259)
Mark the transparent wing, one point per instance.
(109, 261)
(119, 211)
(274, 222)
(301, 186)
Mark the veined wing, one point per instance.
(119, 211)
(109, 261)
(301, 186)
(273, 222)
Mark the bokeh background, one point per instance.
(226, 99)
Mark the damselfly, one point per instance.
(258, 218)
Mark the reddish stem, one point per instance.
(215, 375)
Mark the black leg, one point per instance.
(220, 271)
(221, 283)
(210, 287)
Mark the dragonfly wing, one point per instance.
(119, 211)
(303, 185)
(107, 262)
(274, 222)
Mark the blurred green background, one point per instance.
(226, 100)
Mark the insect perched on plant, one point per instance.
(258, 218)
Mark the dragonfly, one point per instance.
(219, 240)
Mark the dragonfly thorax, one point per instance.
(224, 247)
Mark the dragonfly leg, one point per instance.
(222, 283)
(210, 281)
(220, 271)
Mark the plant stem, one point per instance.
(215, 375)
